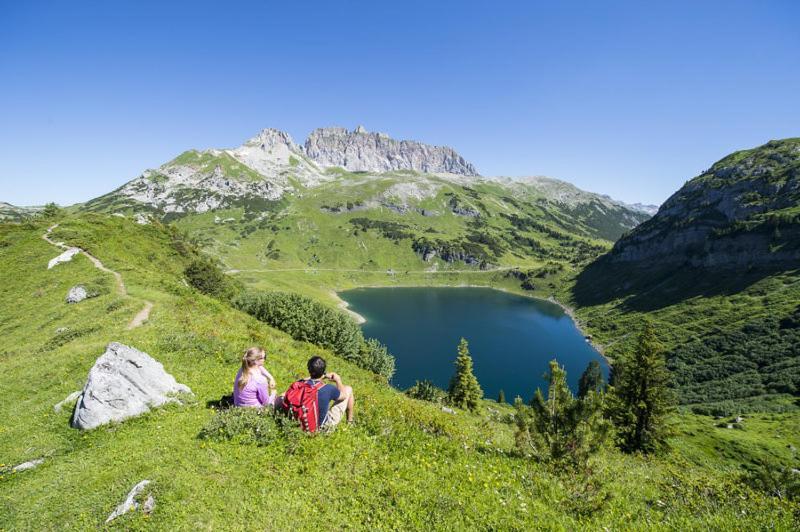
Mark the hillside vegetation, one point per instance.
(718, 270)
(405, 464)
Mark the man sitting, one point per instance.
(300, 394)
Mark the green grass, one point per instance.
(406, 464)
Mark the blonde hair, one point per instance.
(249, 359)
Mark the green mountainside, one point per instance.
(718, 269)
(13, 213)
(405, 464)
(269, 206)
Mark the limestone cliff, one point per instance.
(362, 151)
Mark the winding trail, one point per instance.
(143, 314)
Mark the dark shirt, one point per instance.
(325, 395)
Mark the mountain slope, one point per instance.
(718, 268)
(362, 202)
(13, 213)
(406, 464)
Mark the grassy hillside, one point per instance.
(405, 464)
(718, 271)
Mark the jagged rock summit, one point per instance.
(124, 382)
(362, 151)
(270, 165)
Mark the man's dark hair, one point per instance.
(316, 367)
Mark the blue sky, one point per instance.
(630, 99)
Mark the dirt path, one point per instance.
(142, 316)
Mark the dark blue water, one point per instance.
(511, 338)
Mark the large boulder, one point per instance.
(124, 382)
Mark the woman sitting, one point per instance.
(254, 386)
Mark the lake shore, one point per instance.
(342, 304)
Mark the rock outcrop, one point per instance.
(64, 257)
(27, 465)
(362, 151)
(124, 382)
(77, 294)
(131, 503)
(740, 213)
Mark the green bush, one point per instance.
(250, 426)
(374, 356)
(426, 391)
(307, 320)
(205, 276)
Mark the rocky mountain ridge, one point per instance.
(271, 166)
(362, 151)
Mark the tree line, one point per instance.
(633, 409)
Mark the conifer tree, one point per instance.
(561, 427)
(641, 399)
(464, 391)
(591, 380)
(501, 397)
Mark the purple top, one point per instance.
(255, 393)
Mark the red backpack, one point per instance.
(301, 402)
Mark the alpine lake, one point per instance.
(511, 338)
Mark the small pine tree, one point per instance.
(641, 400)
(561, 427)
(591, 380)
(464, 391)
(501, 397)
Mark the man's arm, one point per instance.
(339, 386)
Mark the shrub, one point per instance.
(249, 426)
(775, 480)
(307, 320)
(205, 276)
(426, 391)
(375, 357)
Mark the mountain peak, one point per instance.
(269, 138)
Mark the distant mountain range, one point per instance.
(271, 165)
(14, 213)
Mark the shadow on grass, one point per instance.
(223, 403)
(653, 287)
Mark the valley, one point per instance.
(730, 335)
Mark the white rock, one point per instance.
(68, 400)
(124, 382)
(64, 257)
(28, 465)
(76, 294)
(130, 503)
(360, 151)
(448, 410)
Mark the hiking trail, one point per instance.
(142, 315)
